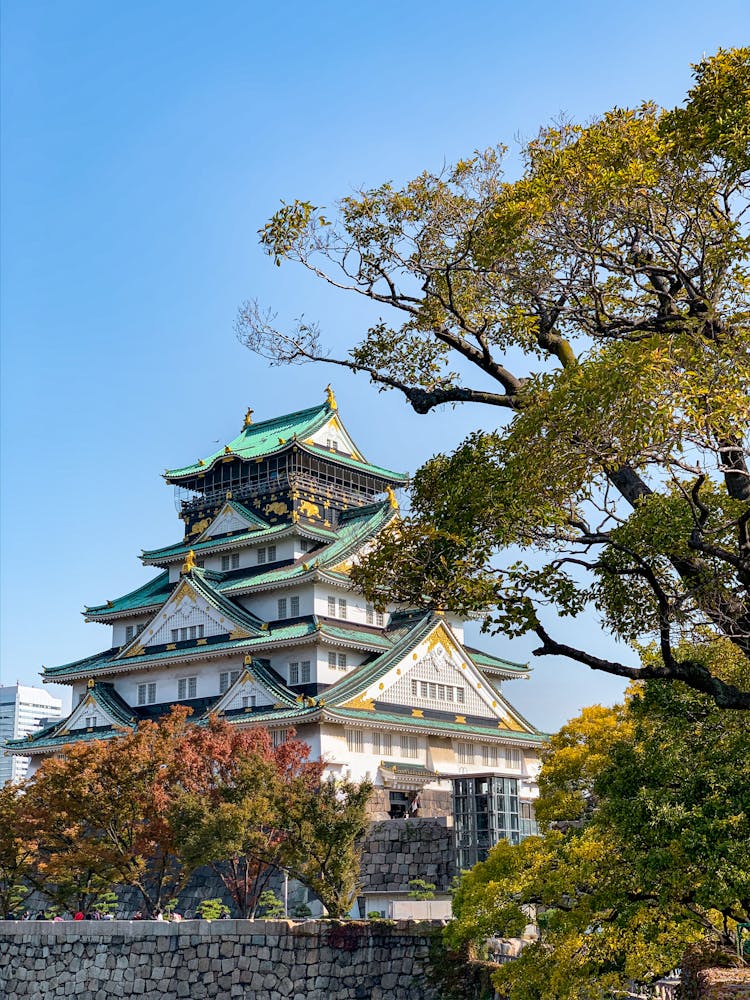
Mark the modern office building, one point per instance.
(23, 711)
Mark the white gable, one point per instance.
(439, 675)
(185, 609)
(247, 692)
(228, 519)
(89, 708)
(333, 431)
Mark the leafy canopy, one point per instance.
(597, 306)
(645, 818)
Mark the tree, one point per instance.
(16, 852)
(234, 821)
(645, 817)
(325, 825)
(100, 814)
(601, 300)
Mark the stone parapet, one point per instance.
(218, 960)
(398, 850)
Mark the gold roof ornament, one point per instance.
(391, 497)
(189, 565)
(90, 683)
(227, 450)
(249, 417)
(330, 398)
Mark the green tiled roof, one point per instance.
(109, 659)
(106, 696)
(496, 662)
(258, 440)
(42, 742)
(268, 533)
(354, 463)
(399, 767)
(154, 592)
(272, 436)
(353, 634)
(272, 682)
(453, 727)
(355, 529)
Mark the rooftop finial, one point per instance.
(189, 565)
(391, 497)
(249, 416)
(331, 398)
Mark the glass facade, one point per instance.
(486, 809)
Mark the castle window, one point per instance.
(409, 747)
(332, 607)
(226, 679)
(175, 635)
(293, 607)
(294, 673)
(342, 607)
(305, 671)
(489, 756)
(460, 696)
(414, 689)
(187, 687)
(379, 619)
(465, 753)
(342, 661)
(278, 737)
(281, 607)
(332, 661)
(261, 555)
(225, 562)
(370, 614)
(433, 691)
(248, 700)
(231, 561)
(90, 721)
(441, 692)
(201, 631)
(271, 553)
(129, 632)
(448, 693)
(382, 743)
(355, 741)
(235, 560)
(512, 759)
(147, 694)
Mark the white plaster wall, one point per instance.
(265, 604)
(166, 679)
(356, 606)
(118, 629)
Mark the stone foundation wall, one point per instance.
(402, 849)
(724, 984)
(433, 803)
(220, 960)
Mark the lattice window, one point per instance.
(355, 742)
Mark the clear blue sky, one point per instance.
(143, 145)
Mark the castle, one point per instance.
(252, 617)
